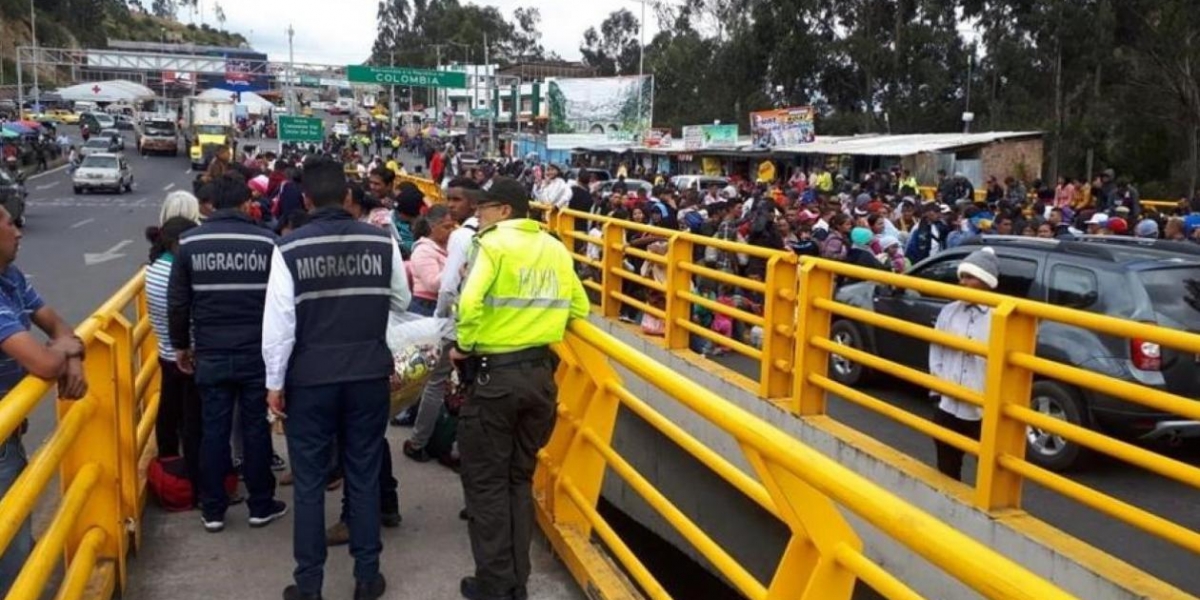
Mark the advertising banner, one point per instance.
(703, 137)
(658, 138)
(601, 105)
(782, 127)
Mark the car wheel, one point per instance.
(129, 186)
(1046, 449)
(78, 190)
(843, 370)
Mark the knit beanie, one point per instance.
(982, 265)
(860, 236)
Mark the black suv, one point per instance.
(1150, 281)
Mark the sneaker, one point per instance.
(293, 592)
(372, 590)
(390, 518)
(338, 534)
(415, 453)
(212, 525)
(277, 511)
(277, 463)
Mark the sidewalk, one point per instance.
(423, 559)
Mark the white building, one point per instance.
(481, 81)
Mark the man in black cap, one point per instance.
(521, 290)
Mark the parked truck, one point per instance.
(209, 125)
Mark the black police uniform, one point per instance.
(217, 290)
(337, 382)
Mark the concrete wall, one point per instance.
(757, 538)
(1016, 158)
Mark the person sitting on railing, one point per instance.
(22, 353)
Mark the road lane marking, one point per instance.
(47, 186)
(82, 223)
(188, 172)
(44, 173)
(113, 253)
(167, 188)
(140, 202)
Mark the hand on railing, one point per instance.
(72, 385)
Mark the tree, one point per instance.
(164, 8)
(391, 22)
(526, 34)
(614, 49)
(220, 14)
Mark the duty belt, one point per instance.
(489, 362)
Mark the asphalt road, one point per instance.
(1161, 496)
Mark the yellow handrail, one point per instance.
(799, 308)
(805, 489)
(95, 451)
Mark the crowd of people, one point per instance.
(882, 221)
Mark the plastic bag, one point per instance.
(419, 340)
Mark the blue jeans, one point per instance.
(355, 416)
(12, 463)
(226, 382)
(422, 306)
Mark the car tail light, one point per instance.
(1147, 356)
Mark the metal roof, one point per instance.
(900, 145)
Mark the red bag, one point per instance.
(168, 480)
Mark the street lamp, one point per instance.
(162, 75)
(37, 92)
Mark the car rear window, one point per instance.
(1175, 294)
(99, 162)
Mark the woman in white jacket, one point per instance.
(553, 189)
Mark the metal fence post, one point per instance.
(611, 259)
(585, 404)
(1011, 331)
(811, 322)
(779, 314)
(679, 250)
(100, 442)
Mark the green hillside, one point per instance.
(90, 24)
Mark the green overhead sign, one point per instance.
(301, 129)
(405, 76)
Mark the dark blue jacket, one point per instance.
(219, 285)
(342, 274)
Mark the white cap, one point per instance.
(1098, 219)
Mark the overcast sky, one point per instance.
(342, 31)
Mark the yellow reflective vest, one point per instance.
(520, 291)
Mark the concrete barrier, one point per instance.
(757, 538)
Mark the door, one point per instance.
(909, 305)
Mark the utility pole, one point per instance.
(641, 71)
(37, 91)
(162, 32)
(437, 92)
(392, 88)
(490, 82)
(291, 101)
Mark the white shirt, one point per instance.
(556, 192)
(973, 322)
(458, 250)
(279, 314)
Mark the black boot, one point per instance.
(370, 591)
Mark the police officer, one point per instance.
(332, 285)
(217, 288)
(520, 291)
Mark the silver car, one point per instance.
(103, 171)
(116, 136)
(99, 145)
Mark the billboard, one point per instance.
(701, 137)
(601, 105)
(658, 138)
(782, 127)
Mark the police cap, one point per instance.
(506, 190)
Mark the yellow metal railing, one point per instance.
(798, 309)
(96, 449)
(800, 486)
(930, 192)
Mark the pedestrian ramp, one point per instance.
(423, 559)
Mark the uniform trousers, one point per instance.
(226, 382)
(352, 416)
(508, 416)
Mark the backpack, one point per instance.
(445, 430)
(693, 220)
(168, 479)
